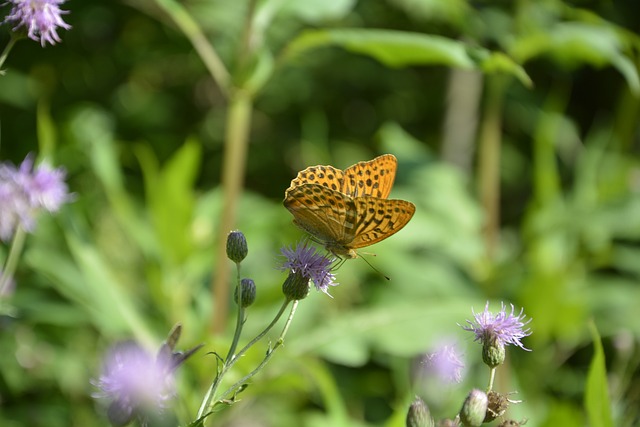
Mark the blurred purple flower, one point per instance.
(304, 260)
(505, 328)
(445, 364)
(40, 18)
(135, 382)
(25, 191)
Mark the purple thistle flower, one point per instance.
(40, 18)
(305, 261)
(445, 364)
(135, 381)
(26, 191)
(504, 328)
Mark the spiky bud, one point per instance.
(245, 293)
(474, 409)
(493, 353)
(296, 286)
(418, 414)
(236, 246)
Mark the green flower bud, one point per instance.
(245, 293)
(418, 414)
(493, 353)
(296, 286)
(236, 246)
(474, 409)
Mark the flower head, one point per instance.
(305, 262)
(135, 382)
(445, 364)
(25, 191)
(502, 328)
(40, 18)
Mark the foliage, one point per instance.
(515, 125)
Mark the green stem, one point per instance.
(239, 320)
(7, 49)
(233, 167)
(279, 343)
(206, 403)
(12, 259)
(489, 161)
(492, 376)
(205, 50)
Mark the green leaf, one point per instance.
(392, 48)
(574, 44)
(596, 396)
(171, 198)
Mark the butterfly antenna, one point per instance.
(374, 269)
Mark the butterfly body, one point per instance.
(348, 210)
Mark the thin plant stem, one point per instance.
(206, 403)
(233, 167)
(239, 321)
(236, 143)
(492, 377)
(489, 162)
(278, 344)
(7, 49)
(194, 33)
(12, 259)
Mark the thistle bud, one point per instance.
(474, 409)
(296, 286)
(418, 414)
(245, 293)
(493, 353)
(236, 246)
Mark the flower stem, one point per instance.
(279, 343)
(492, 376)
(231, 360)
(239, 321)
(7, 49)
(12, 259)
(194, 33)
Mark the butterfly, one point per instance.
(348, 210)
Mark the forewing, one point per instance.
(379, 219)
(326, 176)
(373, 178)
(328, 215)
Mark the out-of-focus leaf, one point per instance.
(596, 394)
(400, 329)
(498, 62)
(171, 198)
(315, 11)
(573, 44)
(450, 11)
(392, 48)
(399, 49)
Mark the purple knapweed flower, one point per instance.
(503, 328)
(40, 18)
(445, 364)
(25, 191)
(305, 262)
(136, 382)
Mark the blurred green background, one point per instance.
(515, 124)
